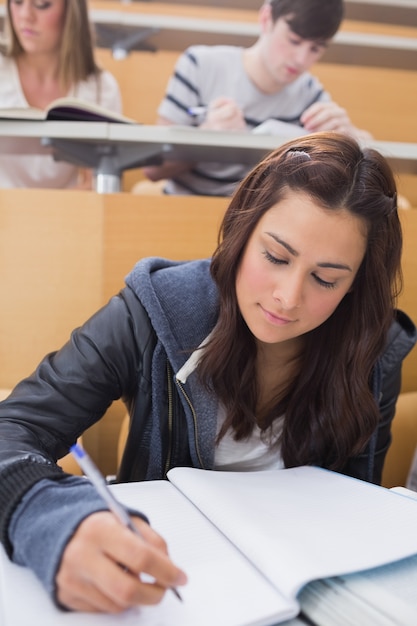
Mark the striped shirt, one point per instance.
(203, 73)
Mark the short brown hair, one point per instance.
(318, 20)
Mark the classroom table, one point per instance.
(137, 29)
(110, 149)
(123, 31)
(402, 12)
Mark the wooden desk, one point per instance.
(112, 148)
(160, 31)
(384, 11)
(135, 28)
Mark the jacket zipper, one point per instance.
(170, 417)
(179, 385)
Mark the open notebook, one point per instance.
(249, 543)
(67, 110)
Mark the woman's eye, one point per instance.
(39, 4)
(273, 259)
(324, 283)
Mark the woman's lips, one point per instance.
(276, 318)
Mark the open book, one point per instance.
(281, 129)
(382, 596)
(67, 110)
(249, 543)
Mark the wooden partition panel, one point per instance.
(174, 227)
(63, 254)
(50, 272)
(382, 100)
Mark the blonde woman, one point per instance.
(49, 54)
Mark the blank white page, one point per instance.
(304, 523)
(223, 589)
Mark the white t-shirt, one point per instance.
(41, 170)
(249, 455)
(261, 451)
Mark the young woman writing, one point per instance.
(284, 349)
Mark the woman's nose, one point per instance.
(289, 293)
(27, 10)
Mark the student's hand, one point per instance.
(224, 114)
(330, 116)
(102, 563)
(84, 179)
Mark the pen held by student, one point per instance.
(99, 482)
(198, 110)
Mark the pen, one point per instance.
(99, 482)
(200, 110)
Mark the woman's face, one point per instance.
(38, 24)
(298, 264)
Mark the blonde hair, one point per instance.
(76, 62)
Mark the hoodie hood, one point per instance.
(181, 301)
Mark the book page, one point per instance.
(74, 109)
(67, 110)
(385, 596)
(223, 588)
(28, 113)
(404, 491)
(281, 129)
(305, 523)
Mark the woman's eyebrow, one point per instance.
(324, 264)
(336, 266)
(283, 243)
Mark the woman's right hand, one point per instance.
(102, 564)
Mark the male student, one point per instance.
(243, 87)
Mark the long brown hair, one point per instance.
(76, 55)
(330, 412)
